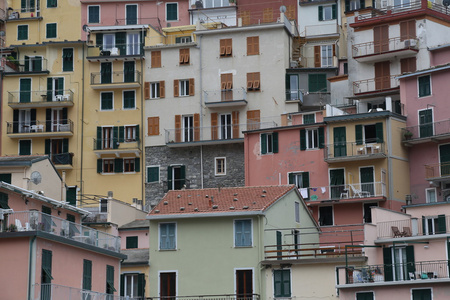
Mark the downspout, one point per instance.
(82, 123)
(260, 257)
(141, 132)
(391, 179)
(31, 268)
(201, 106)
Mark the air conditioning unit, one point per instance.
(410, 43)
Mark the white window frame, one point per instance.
(134, 164)
(159, 174)
(312, 142)
(189, 129)
(30, 62)
(303, 118)
(99, 14)
(355, 5)
(178, 12)
(433, 230)
(324, 12)
(418, 87)
(290, 282)
(101, 101)
(326, 60)
(427, 195)
(155, 90)
(224, 167)
(269, 142)
(123, 100)
(224, 3)
(183, 85)
(133, 276)
(132, 128)
(234, 233)
(159, 236)
(135, 45)
(244, 269)
(113, 43)
(225, 125)
(297, 211)
(176, 280)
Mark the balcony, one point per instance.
(49, 291)
(114, 52)
(32, 65)
(439, 172)
(294, 96)
(226, 98)
(353, 151)
(45, 98)
(313, 31)
(23, 13)
(137, 21)
(61, 160)
(212, 135)
(117, 79)
(376, 85)
(419, 272)
(173, 39)
(425, 133)
(414, 227)
(27, 221)
(39, 129)
(359, 192)
(114, 146)
(385, 50)
(211, 297)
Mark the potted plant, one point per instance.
(12, 228)
(12, 63)
(408, 135)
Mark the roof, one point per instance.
(136, 256)
(136, 224)
(218, 201)
(22, 160)
(425, 71)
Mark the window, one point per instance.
(25, 147)
(27, 5)
(154, 90)
(156, 59)
(152, 174)
(269, 143)
(188, 128)
(51, 30)
(431, 195)
(87, 274)
(133, 285)
(153, 125)
(407, 30)
(317, 83)
(215, 3)
(93, 14)
(326, 215)
(109, 41)
(311, 138)
(132, 242)
(282, 283)
(46, 273)
(108, 166)
(167, 236)
(399, 263)
(366, 134)
(253, 45)
(52, 3)
(25, 90)
(354, 5)
(226, 86)
(327, 12)
(424, 85)
(58, 151)
(129, 100)
(131, 14)
(167, 285)
(67, 59)
(103, 205)
(220, 166)
(337, 183)
(402, 3)
(22, 32)
(433, 225)
(297, 212)
(171, 11)
(106, 101)
(226, 47)
(225, 127)
(244, 284)
(292, 87)
(105, 72)
(426, 123)
(368, 211)
(364, 296)
(301, 181)
(326, 55)
(309, 119)
(408, 65)
(133, 43)
(184, 87)
(243, 233)
(129, 165)
(422, 294)
(183, 40)
(33, 63)
(253, 81)
(130, 133)
(176, 176)
(184, 56)
(110, 280)
(128, 71)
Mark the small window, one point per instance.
(22, 32)
(226, 49)
(364, 296)
(176, 177)
(326, 215)
(253, 45)
(108, 166)
(129, 101)
(184, 56)
(52, 3)
(154, 90)
(424, 85)
(153, 125)
(297, 211)
(171, 11)
(327, 12)
(184, 87)
(301, 181)
(130, 133)
(282, 283)
(152, 174)
(25, 147)
(326, 55)
(422, 294)
(269, 143)
(167, 236)
(156, 59)
(67, 59)
(317, 83)
(132, 242)
(253, 81)
(431, 195)
(94, 14)
(309, 119)
(107, 101)
(129, 165)
(220, 166)
(103, 205)
(51, 31)
(183, 40)
(434, 224)
(243, 233)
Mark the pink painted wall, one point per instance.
(15, 253)
(143, 241)
(401, 291)
(297, 119)
(440, 57)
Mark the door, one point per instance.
(382, 75)
(244, 284)
(55, 88)
(128, 71)
(381, 38)
(133, 44)
(107, 137)
(225, 126)
(24, 120)
(106, 72)
(426, 123)
(399, 258)
(188, 128)
(57, 119)
(368, 212)
(340, 139)
(167, 285)
(444, 159)
(25, 90)
(131, 14)
(367, 180)
(46, 219)
(336, 183)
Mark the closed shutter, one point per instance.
(387, 260)
(121, 41)
(115, 137)
(162, 89)
(65, 146)
(379, 132)
(263, 143)
(169, 177)
(33, 116)
(16, 121)
(64, 116)
(87, 274)
(410, 262)
(141, 285)
(47, 146)
(302, 139)
(153, 126)
(182, 175)
(253, 119)
(99, 40)
(137, 133)
(362, 4)
(196, 127)
(267, 15)
(49, 89)
(320, 10)
(291, 177)
(191, 87)
(27, 63)
(214, 129)
(99, 138)
(321, 138)
(118, 165)
(156, 59)
(235, 120)
(137, 164)
(147, 90)
(222, 47)
(347, 5)
(407, 30)
(177, 128)
(333, 11)
(358, 134)
(408, 65)
(275, 142)
(46, 267)
(176, 88)
(122, 285)
(121, 134)
(317, 62)
(110, 289)
(441, 224)
(99, 165)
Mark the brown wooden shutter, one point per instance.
(235, 120)
(153, 125)
(407, 30)
(229, 47)
(249, 81)
(253, 119)
(147, 90)
(196, 127)
(412, 29)
(191, 87)
(214, 131)
(267, 15)
(162, 89)
(245, 15)
(249, 45)
(334, 49)
(290, 12)
(223, 47)
(156, 59)
(181, 56)
(256, 80)
(317, 63)
(187, 57)
(256, 45)
(177, 128)
(408, 65)
(382, 75)
(176, 88)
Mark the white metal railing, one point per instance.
(20, 221)
(414, 227)
(344, 191)
(375, 84)
(230, 95)
(391, 44)
(50, 291)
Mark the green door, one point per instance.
(426, 123)
(279, 245)
(444, 155)
(340, 147)
(336, 183)
(131, 14)
(367, 182)
(25, 90)
(128, 71)
(105, 72)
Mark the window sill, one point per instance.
(162, 250)
(220, 175)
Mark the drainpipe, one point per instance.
(82, 123)
(141, 132)
(389, 143)
(32, 268)
(201, 106)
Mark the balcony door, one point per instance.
(55, 88)
(128, 71)
(426, 123)
(25, 90)
(444, 159)
(167, 285)
(367, 180)
(188, 128)
(24, 120)
(381, 38)
(244, 284)
(106, 72)
(337, 183)
(107, 137)
(382, 75)
(340, 141)
(57, 119)
(399, 263)
(225, 127)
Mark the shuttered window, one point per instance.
(317, 83)
(22, 32)
(106, 101)
(67, 59)
(167, 236)
(282, 283)
(51, 31)
(226, 47)
(243, 233)
(129, 100)
(407, 30)
(424, 85)
(408, 65)
(94, 14)
(253, 45)
(110, 280)
(253, 81)
(153, 125)
(152, 174)
(132, 242)
(87, 274)
(269, 143)
(52, 3)
(184, 56)
(156, 59)
(25, 147)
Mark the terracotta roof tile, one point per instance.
(236, 199)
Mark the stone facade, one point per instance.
(191, 158)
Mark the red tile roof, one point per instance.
(223, 200)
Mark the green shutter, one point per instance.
(71, 197)
(99, 138)
(137, 164)
(424, 228)
(118, 165)
(99, 40)
(275, 142)
(263, 143)
(131, 242)
(379, 132)
(347, 5)
(46, 266)
(137, 133)
(333, 12)
(141, 285)
(441, 224)
(320, 13)
(121, 41)
(169, 178)
(121, 134)
(27, 63)
(51, 31)
(25, 90)
(49, 88)
(291, 178)
(387, 259)
(37, 64)
(358, 134)
(115, 137)
(65, 145)
(48, 120)
(122, 285)
(67, 60)
(305, 178)
(33, 116)
(87, 274)
(110, 289)
(282, 283)
(302, 139)
(362, 4)
(25, 147)
(182, 175)
(410, 263)
(47, 146)
(99, 165)
(321, 138)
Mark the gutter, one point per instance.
(425, 72)
(204, 215)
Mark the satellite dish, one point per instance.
(85, 28)
(282, 8)
(36, 177)
(446, 3)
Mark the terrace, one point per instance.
(29, 65)
(352, 151)
(37, 128)
(226, 98)
(378, 51)
(425, 227)
(427, 132)
(56, 291)
(378, 84)
(43, 98)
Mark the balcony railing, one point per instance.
(39, 127)
(322, 29)
(138, 21)
(413, 227)
(427, 130)
(48, 291)
(225, 96)
(46, 97)
(440, 170)
(125, 49)
(353, 150)
(392, 44)
(417, 272)
(213, 133)
(62, 158)
(344, 191)
(375, 84)
(210, 297)
(21, 13)
(22, 221)
(116, 77)
(32, 64)
(114, 143)
(173, 39)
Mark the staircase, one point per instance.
(297, 44)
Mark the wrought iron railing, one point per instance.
(426, 130)
(44, 96)
(38, 127)
(115, 143)
(115, 77)
(375, 84)
(413, 227)
(378, 47)
(438, 170)
(32, 64)
(230, 95)
(344, 191)
(353, 149)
